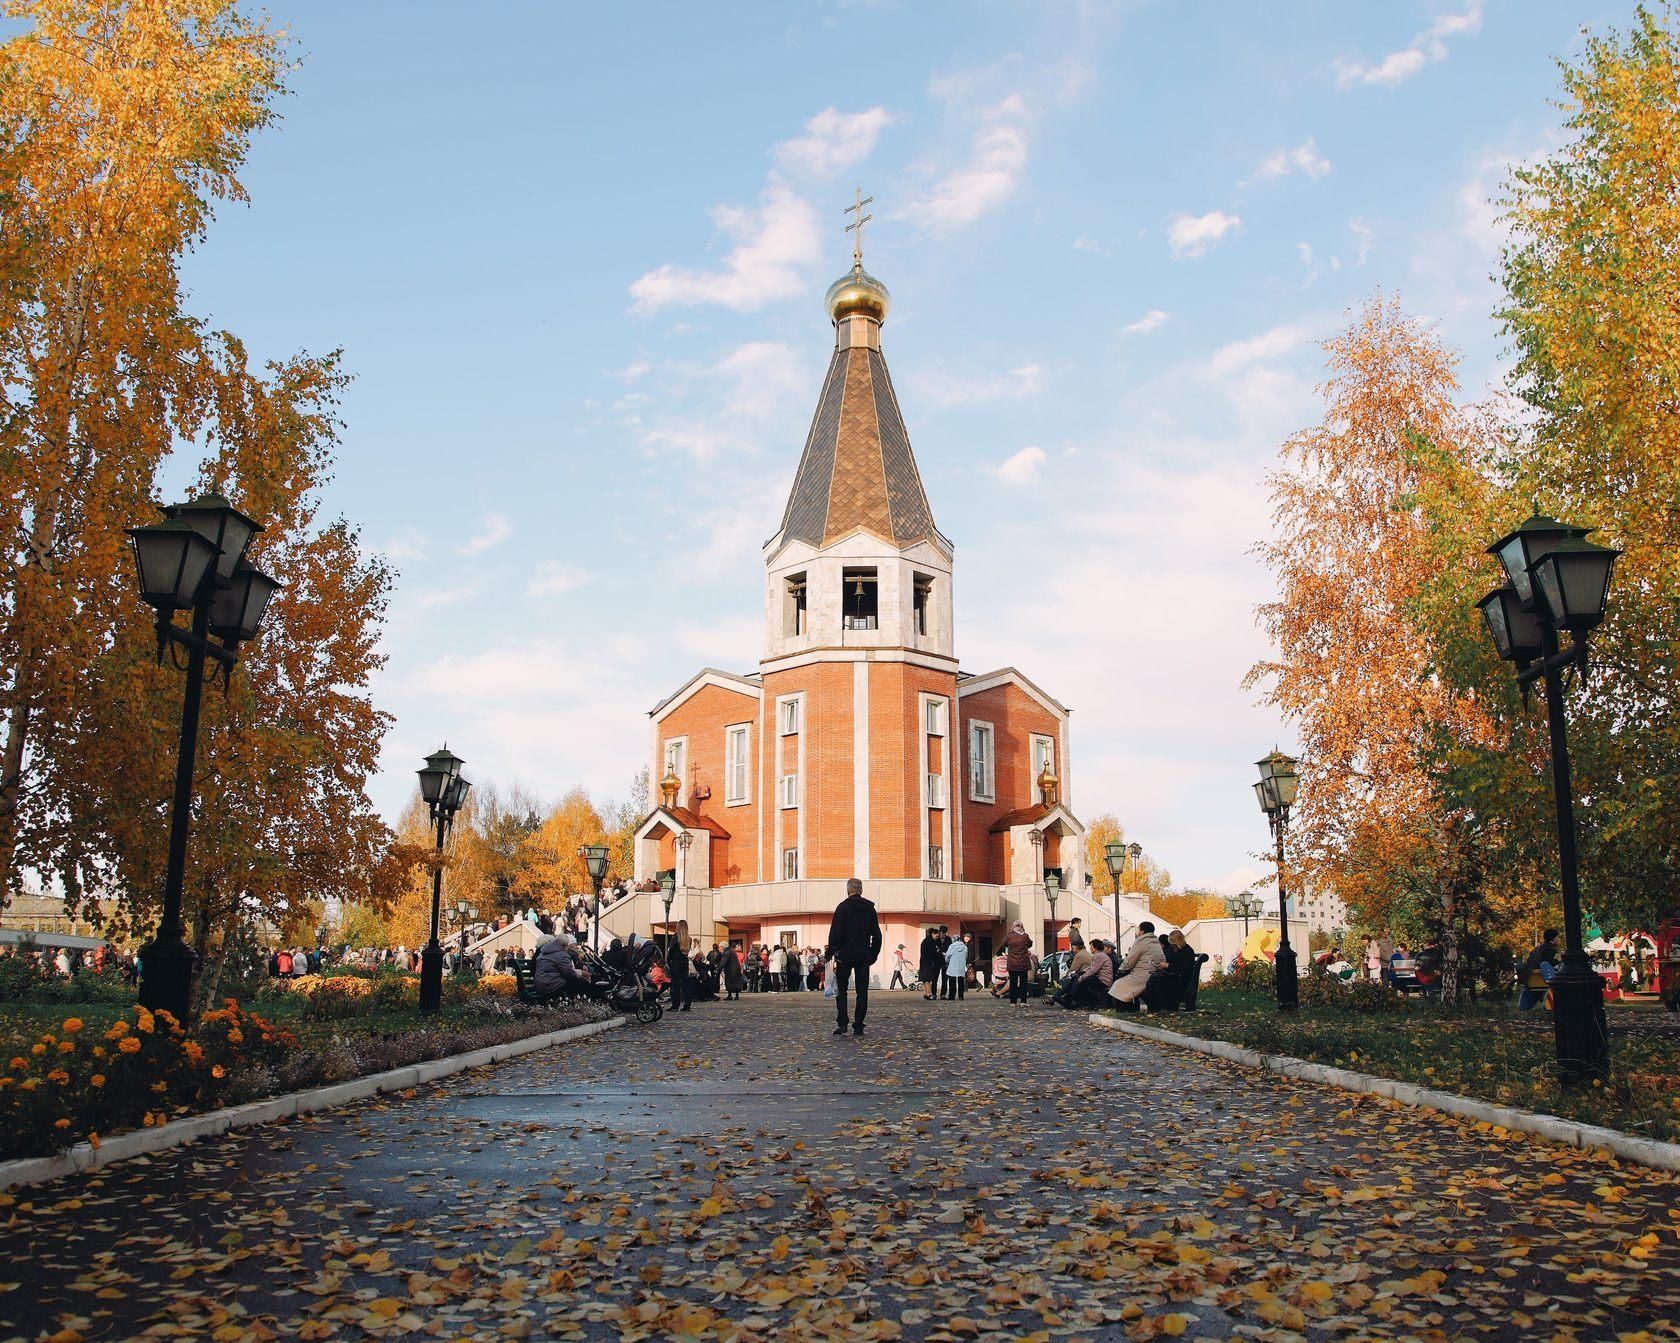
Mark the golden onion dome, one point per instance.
(857, 291)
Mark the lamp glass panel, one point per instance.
(432, 784)
(595, 859)
(223, 526)
(1574, 583)
(237, 610)
(171, 560)
(1285, 785)
(445, 760)
(1263, 792)
(1493, 607)
(1515, 564)
(457, 796)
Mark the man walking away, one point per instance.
(854, 943)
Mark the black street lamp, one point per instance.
(1052, 889)
(685, 840)
(194, 561)
(1557, 582)
(1276, 790)
(1114, 854)
(595, 859)
(1247, 906)
(668, 893)
(443, 788)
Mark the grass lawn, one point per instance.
(1487, 1050)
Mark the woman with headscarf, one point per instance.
(734, 977)
(1017, 958)
(677, 965)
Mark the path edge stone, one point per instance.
(178, 1132)
(1569, 1133)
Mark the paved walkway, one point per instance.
(962, 1171)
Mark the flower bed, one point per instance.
(68, 1080)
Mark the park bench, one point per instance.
(525, 978)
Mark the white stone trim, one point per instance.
(1589, 1137)
(974, 685)
(745, 797)
(177, 1133)
(811, 657)
(739, 685)
(860, 770)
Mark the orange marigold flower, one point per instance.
(234, 1037)
(129, 1045)
(97, 1080)
(146, 1023)
(58, 1075)
(117, 1031)
(20, 1064)
(99, 1051)
(61, 1123)
(93, 1141)
(37, 1050)
(29, 1084)
(72, 1025)
(218, 1072)
(192, 1051)
(66, 1046)
(160, 1087)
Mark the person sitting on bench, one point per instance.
(1089, 988)
(554, 972)
(1141, 961)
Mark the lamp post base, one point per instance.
(431, 978)
(1288, 984)
(1583, 1039)
(166, 971)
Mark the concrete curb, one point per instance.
(85, 1157)
(1589, 1137)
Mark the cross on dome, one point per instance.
(856, 226)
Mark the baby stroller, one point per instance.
(624, 980)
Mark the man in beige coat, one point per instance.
(1143, 960)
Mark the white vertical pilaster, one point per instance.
(860, 769)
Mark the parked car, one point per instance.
(1051, 971)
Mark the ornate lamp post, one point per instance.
(595, 859)
(1247, 906)
(443, 788)
(684, 841)
(1276, 790)
(194, 562)
(1114, 854)
(668, 893)
(1557, 582)
(1052, 889)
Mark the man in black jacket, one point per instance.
(854, 942)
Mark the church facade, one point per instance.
(859, 746)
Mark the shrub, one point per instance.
(1246, 976)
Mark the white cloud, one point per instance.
(776, 244)
(1190, 236)
(833, 140)
(1241, 354)
(1304, 159)
(496, 530)
(1153, 320)
(408, 544)
(630, 372)
(1086, 243)
(939, 386)
(1021, 469)
(552, 577)
(1366, 238)
(997, 160)
(1427, 47)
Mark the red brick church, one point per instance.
(859, 746)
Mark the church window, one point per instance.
(924, 602)
(794, 608)
(936, 789)
(790, 790)
(935, 717)
(737, 753)
(790, 717)
(676, 757)
(790, 864)
(982, 776)
(936, 863)
(862, 599)
(1043, 753)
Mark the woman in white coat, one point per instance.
(1143, 960)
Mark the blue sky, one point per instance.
(575, 256)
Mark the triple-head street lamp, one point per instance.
(1558, 582)
(668, 893)
(1278, 785)
(595, 860)
(193, 561)
(443, 788)
(1052, 890)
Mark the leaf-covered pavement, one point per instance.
(963, 1171)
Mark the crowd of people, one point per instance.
(67, 962)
